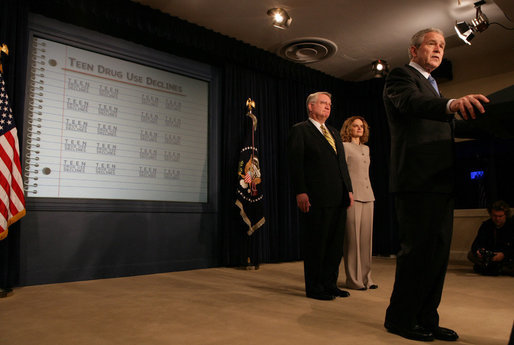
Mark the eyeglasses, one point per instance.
(325, 103)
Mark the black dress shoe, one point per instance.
(447, 334)
(338, 292)
(374, 286)
(415, 333)
(323, 296)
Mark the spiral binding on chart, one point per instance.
(35, 117)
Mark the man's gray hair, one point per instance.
(313, 98)
(419, 36)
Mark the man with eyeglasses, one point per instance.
(323, 193)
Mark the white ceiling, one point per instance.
(363, 31)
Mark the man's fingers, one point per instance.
(462, 110)
(479, 105)
(463, 113)
(471, 109)
(468, 104)
(483, 98)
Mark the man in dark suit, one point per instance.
(323, 192)
(422, 125)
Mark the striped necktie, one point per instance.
(433, 83)
(328, 137)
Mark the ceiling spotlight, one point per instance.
(379, 68)
(281, 19)
(467, 31)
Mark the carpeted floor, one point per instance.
(225, 306)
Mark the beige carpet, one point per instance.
(224, 306)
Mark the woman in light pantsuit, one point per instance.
(359, 222)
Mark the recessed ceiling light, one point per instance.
(281, 19)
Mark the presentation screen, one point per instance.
(104, 127)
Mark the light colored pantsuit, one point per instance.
(358, 242)
(359, 222)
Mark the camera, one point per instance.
(486, 254)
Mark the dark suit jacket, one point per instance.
(422, 152)
(316, 169)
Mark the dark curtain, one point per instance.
(279, 88)
(238, 85)
(280, 104)
(493, 157)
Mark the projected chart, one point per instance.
(105, 128)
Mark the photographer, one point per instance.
(492, 251)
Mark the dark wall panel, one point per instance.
(69, 246)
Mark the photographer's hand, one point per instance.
(478, 253)
(499, 256)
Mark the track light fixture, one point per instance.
(380, 68)
(467, 31)
(281, 19)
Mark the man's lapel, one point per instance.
(424, 81)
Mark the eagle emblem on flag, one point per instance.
(249, 196)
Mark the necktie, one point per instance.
(328, 137)
(433, 83)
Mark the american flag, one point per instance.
(249, 194)
(12, 201)
(248, 177)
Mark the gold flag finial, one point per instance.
(251, 104)
(5, 51)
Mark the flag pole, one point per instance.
(249, 248)
(249, 193)
(251, 104)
